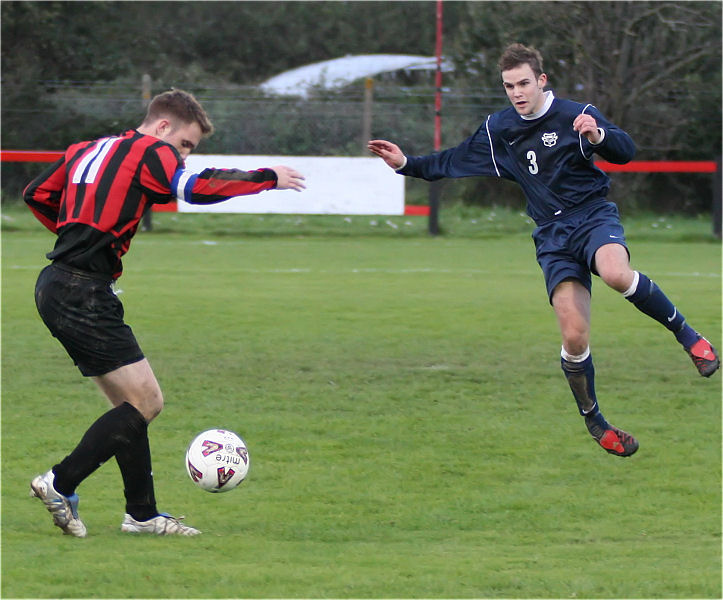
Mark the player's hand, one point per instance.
(587, 126)
(390, 153)
(288, 178)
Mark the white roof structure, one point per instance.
(338, 72)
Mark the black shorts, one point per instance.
(83, 312)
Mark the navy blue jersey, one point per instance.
(550, 160)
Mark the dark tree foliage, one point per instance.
(652, 67)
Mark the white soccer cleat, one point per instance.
(163, 524)
(63, 508)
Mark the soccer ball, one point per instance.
(217, 460)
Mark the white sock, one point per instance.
(574, 358)
(633, 287)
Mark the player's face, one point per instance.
(184, 137)
(524, 89)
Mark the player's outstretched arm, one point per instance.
(288, 178)
(388, 152)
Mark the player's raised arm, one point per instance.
(587, 126)
(607, 139)
(388, 152)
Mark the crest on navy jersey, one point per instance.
(549, 139)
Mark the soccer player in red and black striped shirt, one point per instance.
(93, 200)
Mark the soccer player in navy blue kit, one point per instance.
(546, 145)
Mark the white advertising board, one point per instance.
(334, 185)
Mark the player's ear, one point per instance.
(542, 79)
(163, 126)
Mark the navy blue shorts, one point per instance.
(81, 310)
(566, 247)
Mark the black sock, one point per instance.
(134, 461)
(110, 432)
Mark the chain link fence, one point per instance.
(324, 123)
(247, 120)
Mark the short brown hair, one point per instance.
(180, 105)
(519, 54)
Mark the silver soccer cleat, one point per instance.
(163, 524)
(63, 508)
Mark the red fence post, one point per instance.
(717, 199)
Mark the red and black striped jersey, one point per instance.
(95, 196)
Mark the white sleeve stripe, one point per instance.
(579, 135)
(492, 148)
(180, 185)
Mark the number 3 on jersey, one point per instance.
(532, 167)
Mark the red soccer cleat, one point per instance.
(704, 357)
(618, 442)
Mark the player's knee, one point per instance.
(575, 346)
(148, 399)
(148, 395)
(617, 277)
(614, 269)
(154, 405)
(575, 339)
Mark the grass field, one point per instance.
(411, 433)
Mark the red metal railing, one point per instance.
(635, 166)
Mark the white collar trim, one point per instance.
(549, 97)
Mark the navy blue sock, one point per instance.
(581, 378)
(596, 424)
(650, 299)
(687, 336)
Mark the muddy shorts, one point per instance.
(81, 310)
